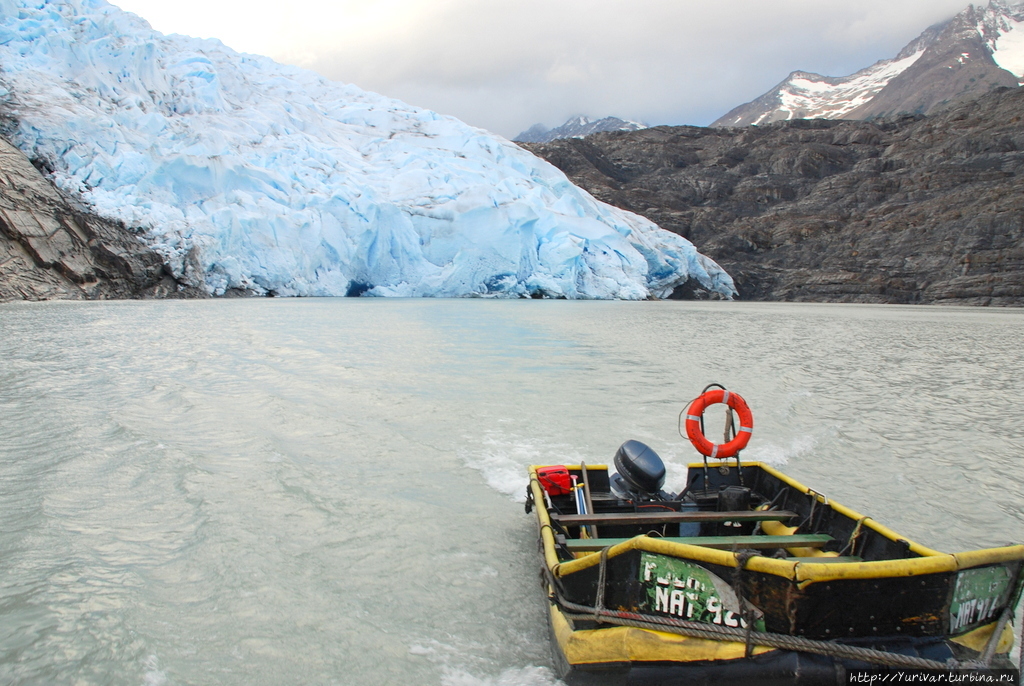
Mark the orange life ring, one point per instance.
(696, 412)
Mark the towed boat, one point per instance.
(747, 576)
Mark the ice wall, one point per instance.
(249, 174)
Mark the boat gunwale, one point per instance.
(802, 573)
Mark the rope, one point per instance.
(712, 632)
(809, 522)
(990, 648)
(602, 578)
(742, 557)
(851, 542)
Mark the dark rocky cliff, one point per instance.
(916, 210)
(50, 248)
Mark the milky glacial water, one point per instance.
(329, 491)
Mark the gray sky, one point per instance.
(505, 65)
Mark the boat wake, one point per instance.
(447, 658)
(523, 676)
(501, 459)
(778, 455)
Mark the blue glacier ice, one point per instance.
(245, 173)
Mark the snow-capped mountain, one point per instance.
(248, 174)
(577, 127)
(980, 49)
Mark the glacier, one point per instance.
(248, 174)
(1001, 26)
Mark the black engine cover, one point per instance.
(640, 467)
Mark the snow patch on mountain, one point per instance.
(1002, 28)
(806, 96)
(577, 127)
(1008, 50)
(247, 174)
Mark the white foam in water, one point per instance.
(445, 655)
(154, 676)
(524, 676)
(423, 651)
(776, 455)
(503, 459)
(248, 174)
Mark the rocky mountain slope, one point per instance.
(980, 49)
(577, 127)
(51, 248)
(916, 210)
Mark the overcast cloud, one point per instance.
(507, 64)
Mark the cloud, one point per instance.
(507, 64)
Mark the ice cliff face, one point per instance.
(247, 174)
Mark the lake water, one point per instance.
(329, 491)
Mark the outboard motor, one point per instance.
(641, 473)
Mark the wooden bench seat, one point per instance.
(643, 518)
(825, 560)
(720, 542)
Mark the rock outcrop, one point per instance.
(50, 248)
(914, 210)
